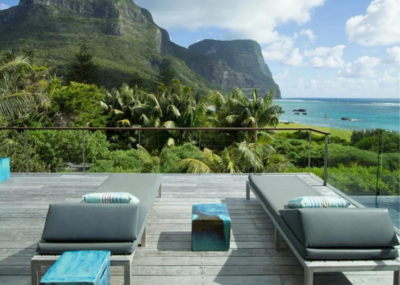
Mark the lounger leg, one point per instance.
(159, 192)
(277, 239)
(144, 238)
(308, 277)
(35, 273)
(396, 279)
(128, 273)
(247, 191)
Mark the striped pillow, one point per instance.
(318, 202)
(112, 197)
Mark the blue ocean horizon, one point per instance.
(365, 114)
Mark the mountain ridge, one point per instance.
(124, 38)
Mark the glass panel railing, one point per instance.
(365, 167)
(111, 150)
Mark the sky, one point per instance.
(314, 48)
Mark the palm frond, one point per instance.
(124, 123)
(191, 165)
(13, 64)
(173, 111)
(169, 124)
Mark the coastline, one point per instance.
(344, 134)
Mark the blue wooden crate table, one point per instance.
(80, 268)
(211, 227)
(4, 168)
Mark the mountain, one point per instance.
(124, 39)
(245, 58)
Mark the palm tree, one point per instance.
(240, 157)
(171, 107)
(120, 103)
(22, 85)
(237, 110)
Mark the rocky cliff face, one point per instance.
(124, 39)
(248, 69)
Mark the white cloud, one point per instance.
(326, 56)
(256, 19)
(4, 6)
(278, 50)
(309, 34)
(282, 76)
(393, 55)
(361, 67)
(295, 59)
(380, 26)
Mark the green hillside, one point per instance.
(122, 37)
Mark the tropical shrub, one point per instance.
(77, 105)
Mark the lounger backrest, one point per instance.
(91, 223)
(341, 228)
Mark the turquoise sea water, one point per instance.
(365, 113)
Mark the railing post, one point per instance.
(326, 161)
(139, 154)
(199, 140)
(26, 151)
(309, 153)
(83, 152)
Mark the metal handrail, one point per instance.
(129, 129)
(158, 129)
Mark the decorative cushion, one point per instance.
(112, 197)
(318, 202)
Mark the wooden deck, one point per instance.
(168, 258)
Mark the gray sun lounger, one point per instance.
(118, 228)
(327, 240)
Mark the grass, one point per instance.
(344, 134)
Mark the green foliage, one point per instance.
(22, 85)
(58, 147)
(118, 162)
(137, 81)
(167, 73)
(83, 69)
(370, 139)
(358, 180)
(12, 145)
(170, 157)
(236, 110)
(51, 150)
(77, 105)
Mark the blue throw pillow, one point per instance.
(318, 202)
(112, 197)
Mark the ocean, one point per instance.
(364, 113)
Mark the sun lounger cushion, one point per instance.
(341, 228)
(318, 202)
(274, 192)
(91, 223)
(110, 197)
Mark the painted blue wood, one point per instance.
(80, 268)
(4, 168)
(211, 227)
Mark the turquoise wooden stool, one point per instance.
(4, 168)
(211, 227)
(78, 268)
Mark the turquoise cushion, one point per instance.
(112, 197)
(318, 202)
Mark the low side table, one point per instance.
(211, 227)
(4, 168)
(80, 267)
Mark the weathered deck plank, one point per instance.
(167, 259)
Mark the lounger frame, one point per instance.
(116, 260)
(311, 267)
